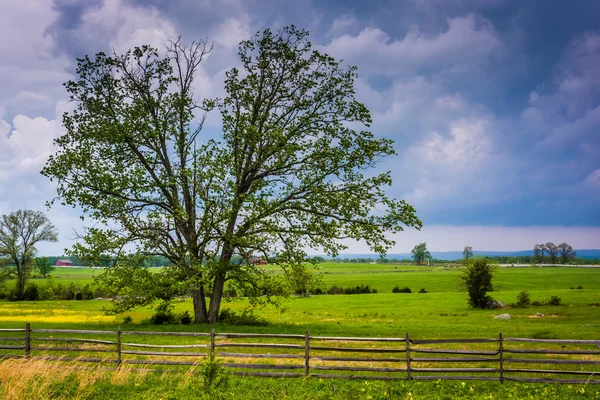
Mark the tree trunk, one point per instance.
(20, 281)
(200, 314)
(215, 300)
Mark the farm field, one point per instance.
(441, 312)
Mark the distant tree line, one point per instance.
(551, 253)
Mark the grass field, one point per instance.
(442, 312)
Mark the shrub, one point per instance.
(536, 303)
(580, 287)
(554, 301)
(359, 289)
(477, 280)
(78, 296)
(247, 318)
(87, 292)
(523, 299)
(31, 292)
(214, 375)
(185, 318)
(46, 293)
(405, 289)
(163, 315)
(127, 319)
(422, 290)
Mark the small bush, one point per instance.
(78, 296)
(163, 315)
(554, 301)
(127, 319)
(46, 293)
(523, 299)
(422, 290)
(405, 289)
(31, 292)
(247, 318)
(214, 375)
(185, 318)
(536, 303)
(580, 287)
(359, 289)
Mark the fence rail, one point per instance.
(293, 355)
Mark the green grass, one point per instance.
(442, 312)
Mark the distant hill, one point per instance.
(457, 255)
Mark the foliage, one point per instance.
(523, 299)
(163, 314)
(420, 253)
(566, 252)
(467, 254)
(246, 318)
(552, 250)
(422, 290)
(20, 232)
(477, 281)
(358, 289)
(289, 172)
(405, 289)
(185, 318)
(214, 375)
(44, 265)
(554, 301)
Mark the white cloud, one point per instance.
(593, 178)
(467, 42)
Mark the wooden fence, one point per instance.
(292, 355)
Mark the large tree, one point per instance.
(289, 171)
(538, 252)
(420, 253)
(20, 232)
(566, 252)
(552, 250)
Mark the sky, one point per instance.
(493, 105)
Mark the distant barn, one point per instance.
(64, 263)
(258, 261)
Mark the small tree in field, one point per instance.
(420, 253)
(477, 280)
(467, 254)
(44, 266)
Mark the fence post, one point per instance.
(118, 345)
(501, 351)
(306, 353)
(27, 339)
(212, 342)
(408, 374)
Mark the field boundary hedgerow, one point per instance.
(294, 355)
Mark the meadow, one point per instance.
(442, 312)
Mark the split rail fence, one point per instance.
(292, 355)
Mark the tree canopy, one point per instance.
(420, 253)
(288, 172)
(467, 253)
